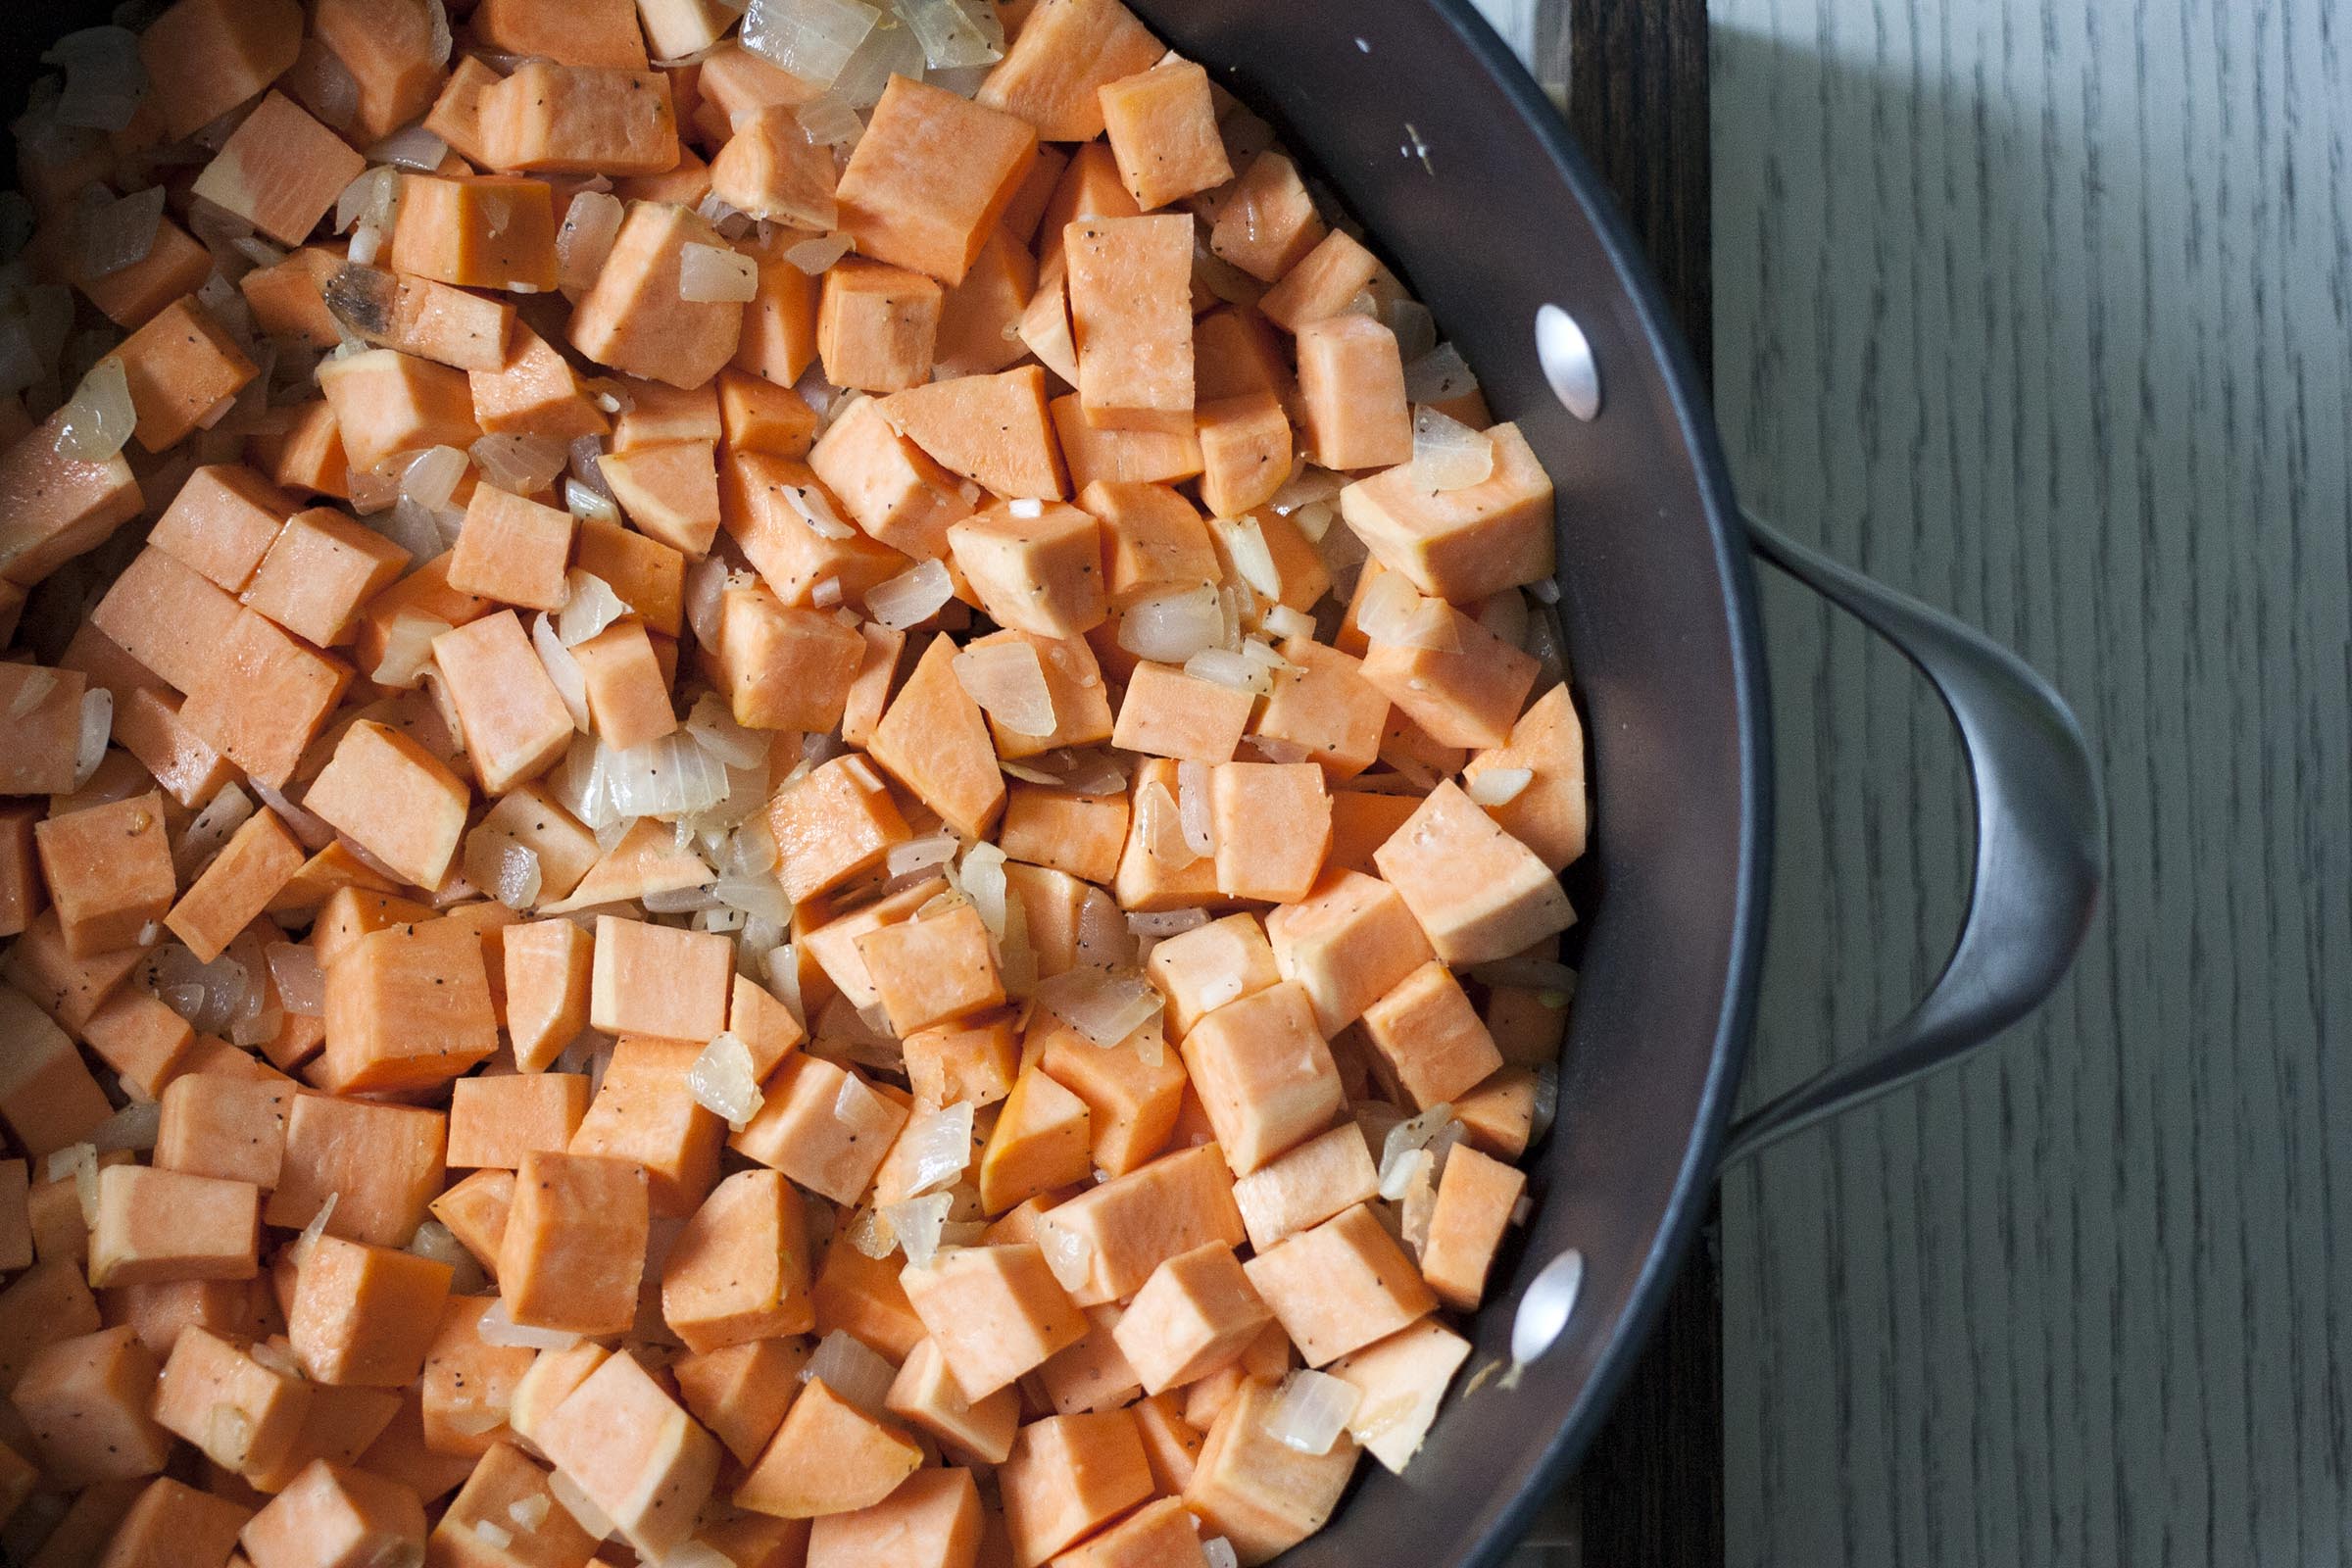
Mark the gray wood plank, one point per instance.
(2038, 310)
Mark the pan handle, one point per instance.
(2040, 825)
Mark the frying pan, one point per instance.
(1432, 135)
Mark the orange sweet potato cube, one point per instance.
(823, 1127)
(1261, 1495)
(1465, 544)
(514, 719)
(1323, 704)
(1351, 384)
(162, 615)
(580, 118)
(495, 1121)
(931, 969)
(217, 1124)
(1430, 1041)
(1268, 223)
(223, 523)
(1475, 1199)
(979, 318)
(758, 415)
(1478, 892)
(836, 823)
(85, 1399)
(934, 740)
(739, 1271)
(511, 549)
(669, 492)
(931, 176)
(1401, 1380)
(742, 1391)
(994, 1313)
(288, 300)
(47, 1303)
(1347, 944)
(1167, 712)
(1245, 456)
(279, 170)
(1201, 969)
(364, 1314)
(972, 1059)
(492, 231)
(307, 456)
(1338, 1287)
(1551, 812)
(263, 697)
(320, 569)
(257, 860)
(1128, 1226)
(893, 489)
(1076, 834)
(47, 1096)
(653, 980)
(390, 50)
(634, 318)
(876, 326)
(828, 1458)
(585, 32)
(40, 729)
(771, 169)
(147, 725)
(992, 429)
(1041, 574)
(395, 798)
(22, 894)
(768, 503)
(1326, 280)
(387, 402)
(926, 1394)
(778, 340)
(1070, 1475)
(505, 1489)
(144, 1041)
(1061, 58)
(1263, 1074)
(53, 507)
(547, 965)
(182, 368)
(534, 390)
(1466, 694)
(649, 576)
(109, 871)
(575, 1243)
(168, 1225)
(931, 1520)
(1040, 1143)
(381, 1163)
(1132, 1100)
(333, 1516)
(420, 316)
(474, 1209)
(1195, 1313)
(628, 697)
(784, 667)
(170, 1522)
(1272, 822)
(244, 45)
(1302, 1188)
(1130, 292)
(646, 1112)
(861, 1295)
(408, 1007)
(1163, 132)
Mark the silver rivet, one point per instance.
(1544, 1310)
(1566, 356)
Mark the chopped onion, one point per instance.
(1410, 1166)
(432, 477)
(1246, 543)
(1070, 1256)
(136, 1126)
(1438, 376)
(1395, 612)
(529, 1513)
(712, 275)
(921, 854)
(917, 1221)
(707, 583)
(498, 1327)
(1311, 1411)
(1420, 1202)
(80, 1163)
(1222, 669)
(1218, 1552)
(412, 148)
(34, 690)
(523, 463)
(408, 648)
(1545, 589)
(1104, 1007)
(669, 778)
(562, 670)
(1008, 683)
(97, 723)
(714, 729)
(1163, 923)
(952, 36)
(1448, 455)
(516, 881)
(888, 51)
(497, 1536)
(223, 815)
(813, 39)
(104, 78)
(1284, 621)
(723, 1082)
(816, 511)
(438, 1243)
(209, 995)
(983, 880)
(1192, 807)
(315, 1228)
(590, 226)
(760, 897)
(1170, 628)
(911, 598)
(592, 506)
(814, 256)
(865, 1114)
(314, 834)
(301, 982)
(96, 422)
(828, 122)
(1408, 1139)
(872, 1234)
(939, 1146)
(1161, 829)
(373, 200)
(1497, 786)
(694, 1554)
(584, 1512)
(853, 1373)
(590, 608)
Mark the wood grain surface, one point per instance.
(2038, 308)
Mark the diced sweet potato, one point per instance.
(893, 489)
(822, 1127)
(876, 326)
(495, 1121)
(994, 1313)
(1163, 130)
(1347, 944)
(85, 1399)
(575, 1243)
(1040, 574)
(1123, 1229)
(645, 1112)
(739, 1270)
(279, 170)
(505, 1489)
(979, 317)
(53, 507)
(1261, 1495)
(172, 1523)
(926, 1394)
(931, 969)
(1203, 969)
(1351, 384)
(1167, 712)
(635, 319)
(740, 1391)
(1324, 283)
(580, 118)
(511, 549)
(1064, 52)
(580, 33)
(387, 46)
(182, 368)
(386, 402)
(638, 1457)
(1068, 1475)
(1263, 1074)
(828, 1457)
(534, 390)
(490, 232)
(1478, 892)
(773, 508)
(931, 176)
(321, 568)
(932, 1520)
(240, 45)
(223, 523)
(1401, 1379)
(168, 1225)
(1302, 1188)
(40, 729)
(671, 492)
(779, 324)
(381, 1164)
(1465, 694)
(1475, 1199)
(1040, 1143)
(364, 1314)
(1271, 821)
(650, 980)
(1132, 1100)
(934, 740)
(262, 697)
(1428, 1037)
(770, 169)
(214, 1124)
(1267, 223)
(333, 1516)
(288, 300)
(514, 719)
(1465, 544)
(1323, 704)
(395, 798)
(1130, 290)
(1551, 812)
(1339, 1286)
(109, 871)
(989, 428)
(144, 1041)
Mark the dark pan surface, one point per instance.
(1436, 139)
(1413, 112)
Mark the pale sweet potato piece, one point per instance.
(1201, 969)
(47, 1096)
(638, 1457)
(1351, 384)
(320, 569)
(490, 232)
(1272, 822)
(182, 368)
(627, 692)
(989, 428)
(770, 169)
(217, 54)
(408, 1007)
(649, 576)
(876, 326)
(381, 1163)
(1302, 1188)
(288, 300)
(580, 118)
(973, 1059)
(333, 1516)
(861, 1295)
(650, 980)
(1169, 713)
(1550, 814)
(646, 1112)
(828, 1458)
(281, 171)
(109, 871)
(258, 860)
(534, 390)
(932, 1520)
(215, 1124)
(935, 740)
(739, 1270)
(926, 1394)
(1262, 1496)
(1339, 1286)
(1068, 1475)
(1246, 455)
(1323, 284)
(1041, 574)
(979, 316)
(1475, 1199)
(766, 504)
(387, 46)
(513, 550)
(505, 1489)
(1268, 223)
(40, 729)
(634, 319)
(1428, 1039)
(168, 1225)
(742, 1391)
(53, 508)
(494, 1121)
(1401, 1379)
(364, 1314)
(223, 523)
(671, 492)
(1039, 1143)
(386, 402)
(779, 324)
(1347, 944)
(757, 416)
(1125, 1228)
(802, 1129)
(1465, 544)
(1263, 1074)
(1132, 1101)
(1478, 892)
(577, 33)
(891, 487)
(515, 721)
(932, 969)
(931, 176)
(262, 697)
(1466, 694)
(575, 1243)
(1325, 705)
(168, 1523)
(1130, 291)
(1064, 52)
(85, 1399)
(395, 798)
(1163, 128)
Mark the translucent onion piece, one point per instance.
(38, 683)
(529, 1513)
(938, 1144)
(1162, 828)
(814, 256)
(1497, 786)
(921, 854)
(1246, 543)
(97, 723)
(437, 1242)
(817, 512)
(497, 1536)
(872, 1234)
(983, 880)
(668, 778)
(811, 39)
(1438, 376)
(516, 881)
(1420, 1202)
(911, 598)
(1448, 455)
(97, 421)
(714, 729)
(301, 982)
(1547, 590)
(784, 979)
(408, 648)
(1397, 1178)
(950, 38)
(851, 1371)
(890, 50)
(828, 122)
(1104, 1007)
(1415, 328)
(1284, 621)
(80, 1163)
(1219, 1552)
(498, 1327)
(1393, 612)
(104, 79)
(707, 583)
(314, 834)
(1192, 807)
(442, 42)
(1070, 1256)
(136, 1126)
(562, 668)
(584, 1513)
(723, 1082)
(1547, 1101)
(1008, 683)
(1407, 1138)
(1170, 628)
(413, 148)
(523, 463)
(223, 815)
(863, 1112)
(373, 199)
(432, 477)
(1309, 485)
(591, 608)
(209, 995)
(592, 504)
(1311, 1411)
(1165, 923)
(709, 275)
(694, 1554)
(315, 1228)
(916, 1222)
(1223, 669)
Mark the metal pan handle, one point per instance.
(2040, 826)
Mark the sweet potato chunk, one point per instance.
(1461, 544)
(876, 326)
(994, 1312)
(639, 1457)
(1262, 1496)
(1478, 892)
(989, 428)
(932, 1520)
(1065, 52)
(635, 319)
(579, 118)
(1069, 1474)
(241, 45)
(490, 232)
(934, 738)
(183, 368)
(109, 871)
(1130, 286)
(279, 170)
(931, 176)
(828, 1457)
(575, 1243)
